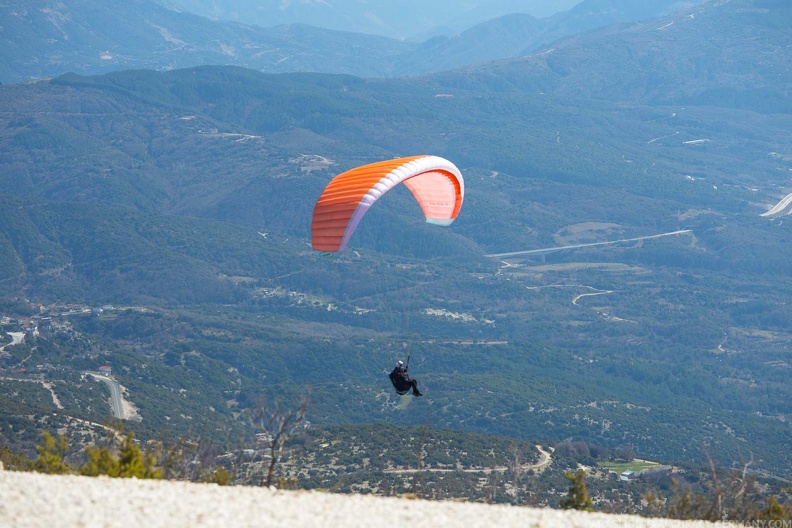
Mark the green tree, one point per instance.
(100, 462)
(219, 476)
(578, 498)
(775, 511)
(133, 462)
(130, 462)
(51, 454)
(14, 461)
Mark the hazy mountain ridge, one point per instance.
(732, 71)
(505, 36)
(404, 19)
(663, 62)
(65, 36)
(68, 36)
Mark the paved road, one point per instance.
(115, 395)
(593, 244)
(782, 207)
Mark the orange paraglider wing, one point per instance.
(435, 182)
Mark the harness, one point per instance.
(400, 384)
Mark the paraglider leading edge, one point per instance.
(435, 182)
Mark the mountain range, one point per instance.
(53, 38)
(402, 20)
(174, 208)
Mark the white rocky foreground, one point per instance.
(36, 500)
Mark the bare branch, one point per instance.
(277, 423)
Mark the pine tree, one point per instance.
(132, 462)
(578, 498)
(100, 462)
(51, 455)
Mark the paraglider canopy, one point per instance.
(435, 182)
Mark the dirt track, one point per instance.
(544, 460)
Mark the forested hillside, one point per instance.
(157, 223)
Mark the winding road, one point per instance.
(117, 401)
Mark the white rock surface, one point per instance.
(38, 501)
